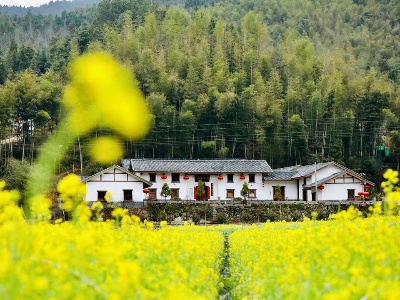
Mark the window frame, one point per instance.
(349, 192)
(228, 191)
(152, 194)
(229, 178)
(99, 192)
(252, 193)
(152, 177)
(252, 178)
(175, 177)
(174, 193)
(130, 196)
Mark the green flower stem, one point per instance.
(51, 153)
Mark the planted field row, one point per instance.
(358, 259)
(97, 261)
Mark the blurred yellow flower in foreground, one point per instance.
(71, 186)
(103, 93)
(106, 150)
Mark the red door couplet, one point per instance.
(208, 192)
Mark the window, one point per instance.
(252, 194)
(101, 195)
(152, 177)
(202, 177)
(175, 177)
(229, 177)
(350, 194)
(153, 194)
(175, 193)
(252, 177)
(128, 195)
(230, 193)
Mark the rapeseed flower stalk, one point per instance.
(101, 94)
(9, 210)
(392, 192)
(97, 209)
(40, 208)
(72, 191)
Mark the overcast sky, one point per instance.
(24, 2)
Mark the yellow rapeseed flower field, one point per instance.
(338, 259)
(96, 260)
(347, 257)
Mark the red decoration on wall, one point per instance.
(242, 177)
(163, 177)
(146, 191)
(220, 177)
(186, 177)
(366, 194)
(321, 187)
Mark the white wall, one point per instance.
(325, 172)
(219, 187)
(337, 191)
(117, 189)
(290, 189)
(334, 190)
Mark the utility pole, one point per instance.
(316, 189)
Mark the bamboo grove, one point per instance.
(286, 81)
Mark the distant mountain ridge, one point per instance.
(53, 7)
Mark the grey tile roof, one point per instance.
(323, 180)
(278, 175)
(197, 166)
(287, 169)
(309, 169)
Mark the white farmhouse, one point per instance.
(223, 179)
(322, 181)
(122, 185)
(142, 179)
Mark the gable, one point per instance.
(115, 174)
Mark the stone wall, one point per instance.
(219, 213)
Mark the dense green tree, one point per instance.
(16, 174)
(165, 191)
(297, 140)
(200, 190)
(244, 192)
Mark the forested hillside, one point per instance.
(53, 7)
(286, 81)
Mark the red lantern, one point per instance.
(366, 194)
(242, 177)
(220, 177)
(163, 177)
(186, 177)
(146, 191)
(321, 187)
(366, 187)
